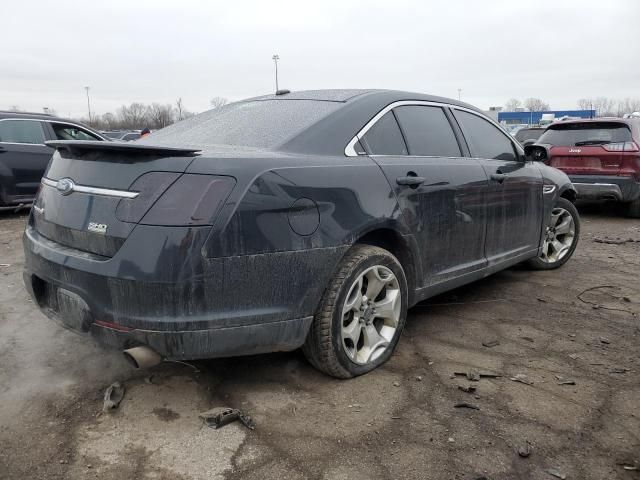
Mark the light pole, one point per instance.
(88, 104)
(275, 59)
(459, 91)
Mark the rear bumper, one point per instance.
(224, 307)
(606, 187)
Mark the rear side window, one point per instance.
(131, 136)
(592, 133)
(485, 139)
(385, 138)
(427, 131)
(69, 132)
(21, 131)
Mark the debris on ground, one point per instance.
(466, 405)
(528, 339)
(396, 384)
(616, 241)
(573, 356)
(113, 395)
(630, 466)
(556, 473)
(541, 300)
(467, 388)
(419, 378)
(619, 370)
(604, 340)
(220, 416)
(475, 376)
(521, 378)
(491, 343)
(596, 305)
(564, 381)
(524, 450)
(5, 264)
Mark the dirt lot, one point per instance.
(398, 422)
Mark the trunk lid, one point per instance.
(86, 199)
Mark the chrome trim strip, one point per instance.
(598, 184)
(106, 192)
(350, 151)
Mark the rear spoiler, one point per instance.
(81, 146)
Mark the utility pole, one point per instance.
(45, 109)
(459, 91)
(275, 59)
(88, 104)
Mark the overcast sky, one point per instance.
(157, 51)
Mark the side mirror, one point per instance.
(536, 153)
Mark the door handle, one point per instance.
(410, 180)
(2, 149)
(498, 177)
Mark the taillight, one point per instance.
(170, 198)
(191, 200)
(621, 147)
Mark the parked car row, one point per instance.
(122, 135)
(24, 155)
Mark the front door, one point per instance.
(514, 197)
(441, 192)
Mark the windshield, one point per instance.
(260, 123)
(592, 133)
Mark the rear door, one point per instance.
(514, 197)
(23, 158)
(440, 191)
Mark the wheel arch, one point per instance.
(400, 246)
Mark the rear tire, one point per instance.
(352, 334)
(561, 237)
(633, 209)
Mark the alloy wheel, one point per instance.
(559, 236)
(371, 314)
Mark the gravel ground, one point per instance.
(579, 323)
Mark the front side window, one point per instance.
(385, 137)
(485, 140)
(69, 132)
(21, 131)
(427, 131)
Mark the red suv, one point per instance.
(601, 157)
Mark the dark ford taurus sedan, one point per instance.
(311, 219)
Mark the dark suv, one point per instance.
(601, 157)
(24, 155)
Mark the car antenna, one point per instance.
(282, 92)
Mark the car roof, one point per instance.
(32, 116)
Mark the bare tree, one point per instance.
(585, 104)
(628, 105)
(536, 105)
(179, 109)
(604, 107)
(134, 116)
(160, 116)
(217, 102)
(512, 105)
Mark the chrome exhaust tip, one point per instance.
(142, 357)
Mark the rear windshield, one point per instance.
(261, 124)
(576, 134)
(528, 134)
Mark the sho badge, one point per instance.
(97, 228)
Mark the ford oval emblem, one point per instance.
(65, 186)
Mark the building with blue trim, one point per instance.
(533, 118)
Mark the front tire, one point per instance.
(361, 314)
(561, 237)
